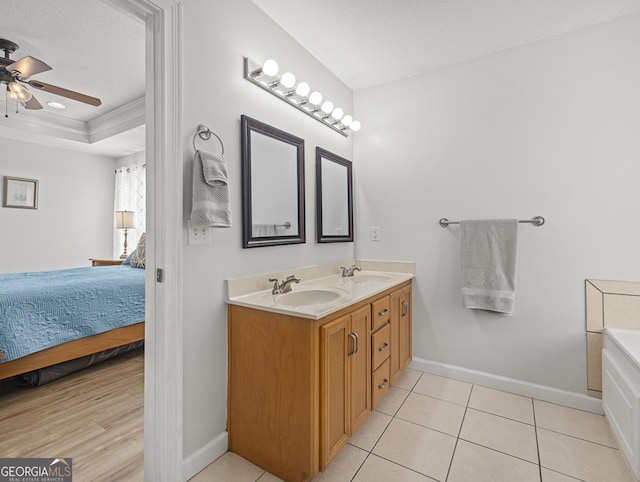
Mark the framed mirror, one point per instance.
(334, 205)
(272, 185)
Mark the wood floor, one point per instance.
(94, 416)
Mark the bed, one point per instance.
(50, 317)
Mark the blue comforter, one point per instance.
(46, 308)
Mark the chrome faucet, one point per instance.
(348, 272)
(283, 287)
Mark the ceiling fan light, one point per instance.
(19, 92)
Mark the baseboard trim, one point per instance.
(512, 385)
(198, 460)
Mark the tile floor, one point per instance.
(430, 428)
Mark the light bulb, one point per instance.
(327, 107)
(355, 126)
(270, 67)
(19, 92)
(347, 120)
(337, 113)
(315, 98)
(303, 89)
(288, 80)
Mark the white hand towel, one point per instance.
(210, 205)
(488, 258)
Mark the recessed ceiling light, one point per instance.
(56, 105)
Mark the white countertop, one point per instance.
(350, 290)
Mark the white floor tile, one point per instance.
(447, 389)
(432, 413)
(502, 403)
(578, 423)
(473, 463)
(501, 434)
(376, 469)
(418, 448)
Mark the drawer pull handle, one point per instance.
(384, 384)
(353, 343)
(356, 343)
(383, 347)
(405, 308)
(383, 312)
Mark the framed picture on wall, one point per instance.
(20, 193)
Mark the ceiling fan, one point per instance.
(15, 74)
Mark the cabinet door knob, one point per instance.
(383, 312)
(383, 347)
(384, 384)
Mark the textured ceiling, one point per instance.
(91, 47)
(372, 42)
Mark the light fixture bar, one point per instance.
(251, 66)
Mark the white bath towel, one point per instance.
(488, 258)
(211, 207)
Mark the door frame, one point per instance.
(163, 372)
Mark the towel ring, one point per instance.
(205, 133)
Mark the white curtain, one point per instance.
(130, 195)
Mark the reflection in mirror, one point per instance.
(273, 185)
(334, 204)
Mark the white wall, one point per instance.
(74, 219)
(135, 159)
(217, 34)
(550, 128)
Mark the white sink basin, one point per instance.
(308, 297)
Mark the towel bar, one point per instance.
(204, 133)
(536, 221)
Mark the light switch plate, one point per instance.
(198, 235)
(375, 233)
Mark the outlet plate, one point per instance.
(375, 233)
(198, 235)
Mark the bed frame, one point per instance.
(72, 350)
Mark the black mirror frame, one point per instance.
(248, 241)
(325, 238)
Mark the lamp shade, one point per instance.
(125, 220)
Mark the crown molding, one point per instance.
(117, 121)
(43, 127)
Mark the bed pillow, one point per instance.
(128, 260)
(139, 258)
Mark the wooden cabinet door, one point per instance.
(394, 336)
(405, 327)
(335, 346)
(360, 361)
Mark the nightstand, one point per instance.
(105, 262)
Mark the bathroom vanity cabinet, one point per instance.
(299, 387)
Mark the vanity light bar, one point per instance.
(299, 96)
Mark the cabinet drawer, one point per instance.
(380, 342)
(380, 313)
(380, 383)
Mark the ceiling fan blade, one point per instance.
(32, 104)
(65, 93)
(28, 66)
